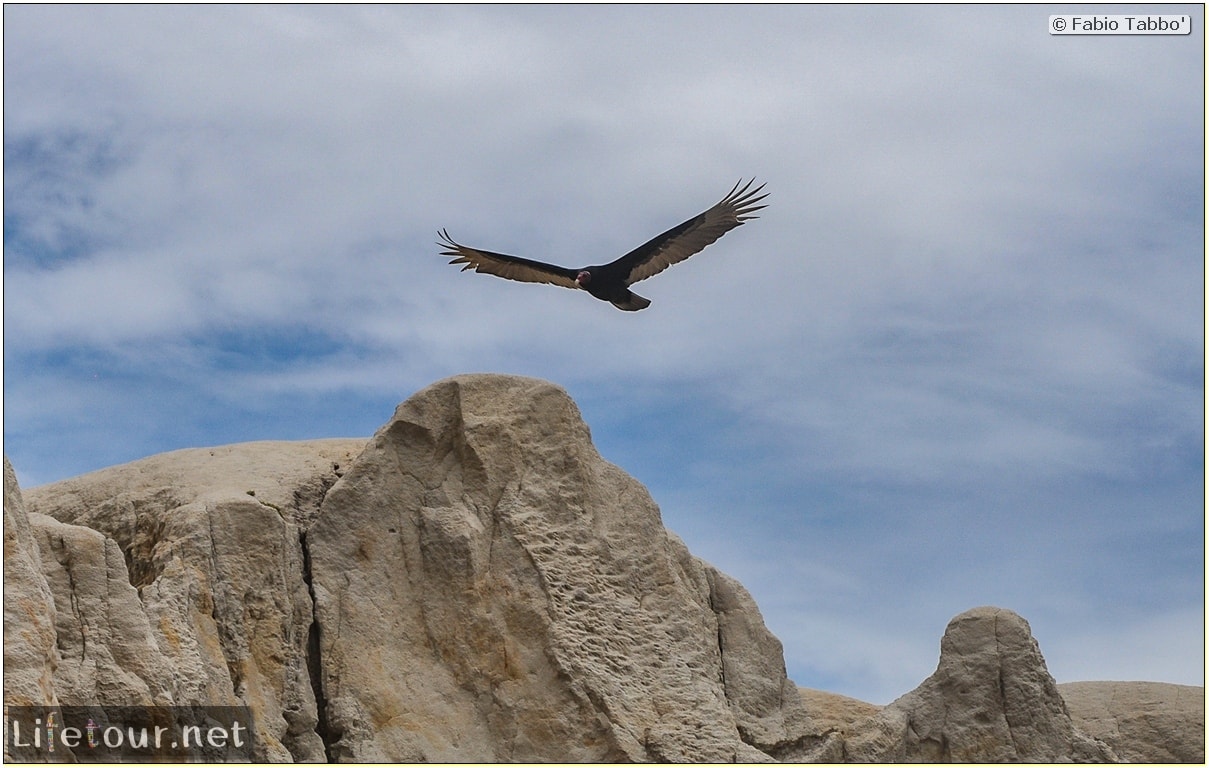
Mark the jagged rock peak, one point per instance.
(991, 699)
(475, 583)
(523, 601)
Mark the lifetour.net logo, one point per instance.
(128, 734)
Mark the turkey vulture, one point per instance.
(611, 282)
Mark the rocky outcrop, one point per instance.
(1141, 722)
(520, 599)
(178, 580)
(31, 657)
(832, 712)
(990, 700)
(475, 583)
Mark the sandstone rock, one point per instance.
(479, 584)
(486, 588)
(489, 589)
(834, 712)
(290, 477)
(30, 655)
(991, 699)
(108, 655)
(833, 719)
(187, 585)
(1142, 722)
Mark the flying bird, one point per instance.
(611, 282)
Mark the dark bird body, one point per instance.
(611, 282)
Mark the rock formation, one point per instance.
(1142, 722)
(479, 585)
(834, 713)
(31, 657)
(524, 601)
(990, 700)
(178, 580)
(475, 583)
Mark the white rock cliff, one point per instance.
(475, 583)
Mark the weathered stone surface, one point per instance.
(480, 585)
(833, 712)
(1142, 722)
(991, 699)
(290, 477)
(108, 654)
(179, 579)
(488, 588)
(30, 655)
(833, 719)
(523, 599)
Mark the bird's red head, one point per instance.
(583, 278)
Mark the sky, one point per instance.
(957, 361)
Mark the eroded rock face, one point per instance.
(179, 580)
(480, 585)
(108, 654)
(1142, 722)
(31, 657)
(488, 588)
(833, 712)
(991, 700)
(483, 587)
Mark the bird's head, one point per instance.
(583, 278)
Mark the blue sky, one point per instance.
(958, 361)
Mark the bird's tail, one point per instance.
(633, 302)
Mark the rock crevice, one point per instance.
(314, 666)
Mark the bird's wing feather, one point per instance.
(503, 265)
(689, 237)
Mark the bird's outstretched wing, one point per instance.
(503, 265)
(682, 241)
